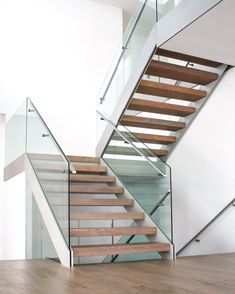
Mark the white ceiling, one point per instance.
(212, 36)
(127, 5)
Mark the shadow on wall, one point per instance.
(203, 171)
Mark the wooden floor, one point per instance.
(206, 274)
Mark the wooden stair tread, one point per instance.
(96, 189)
(75, 201)
(86, 169)
(132, 152)
(151, 123)
(75, 178)
(118, 231)
(56, 157)
(160, 107)
(148, 138)
(47, 157)
(101, 202)
(95, 250)
(87, 159)
(180, 73)
(169, 91)
(92, 178)
(186, 57)
(106, 215)
(90, 168)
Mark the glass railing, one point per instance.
(16, 132)
(38, 242)
(141, 148)
(164, 6)
(27, 133)
(51, 167)
(122, 137)
(144, 175)
(146, 14)
(158, 213)
(131, 45)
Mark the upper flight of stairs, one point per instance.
(95, 197)
(169, 94)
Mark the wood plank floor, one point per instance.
(203, 274)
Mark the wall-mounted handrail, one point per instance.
(232, 202)
(136, 149)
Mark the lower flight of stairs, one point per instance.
(95, 197)
(87, 182)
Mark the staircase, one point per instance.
(171, 91)
(94, 196)
(120, 204)
(99, 211)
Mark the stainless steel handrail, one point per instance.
(136, 149)
(123, 48)
(232, 202)
(49, 134)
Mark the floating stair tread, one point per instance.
(84, 159)
(75, 201)
(106, 215)
(86, 169)
(151, 123)
(96, 189)
(185, 57)
(92, 178)
(160, 107)
(170, 91)
(90, 168)
(97, 250)
(75, 178)
(101, 202)
(155, 139)
(132, 152)
(118, 231)
(148, 138)
(52, 170)
(180, 73)
(47, 157)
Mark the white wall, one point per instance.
(12, 209)
(203, 171)
(218, 238)
(203, 39)
(58, 52)
(2, 135)
(13, 218)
